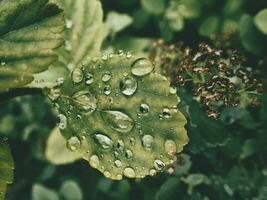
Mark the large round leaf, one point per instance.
(121, 116)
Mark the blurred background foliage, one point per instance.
(225, 159)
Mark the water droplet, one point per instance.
(173, 90)
(107, 174)
(128, 86)
(69, 24)
(62, 121)
(85, 101)
(159, 165)
(170, 147)
(120, 145)
(144, 108)
(105, 57)
(120, 53)
(119, 177)
(3, 63)
(60, 81)
(132, 141)
(94, 161)
(166, 113)
(129, 172)
(89, 79)
(107, 90)
(68, 45)
(118, 121)
(128, 55)
(77, 75)
(104, 141)
(147, 141)
(152, 172)
(73, 143)
(128, 153)
(118, 163)
(142, 67)
(106, 77)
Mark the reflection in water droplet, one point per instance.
(166, 113)
(107, 90)
(73, 143)
(118, 121)
(94, 161)
(147, 141)
(77, 75)
(129, 172)
(62, 121)
(142, 67)
(128, 153)
(118, 163)
(104, 141)
(144, 108)
(159, 165)
(89, 79)
(106, 77)
(128, 86)
(170, 147)
(84, 101)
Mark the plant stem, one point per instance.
(12, 93)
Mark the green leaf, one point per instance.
(40, 192)
(6, 168)
(209, 26)
(56, 150)
(261, 21)
(84, 31)
(29, 32)
(116, 22)
(70, 190)
(168, 188)
(121, 116)
(153, 7)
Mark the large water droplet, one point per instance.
(104, 141)
(62, 121)
(118, 121)
(147, 141)
(144, 108)
(77, 75)
(129, 172)
(94, 161)
(107, 90)
(85, 101)
(73, 143)
(128, 153)
(89, 79)
(128, 86)
(106, 77)
(170, 147)
(118, 163)
(159, 165)
(142, 67)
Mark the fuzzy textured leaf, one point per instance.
(6, 168)
(121, 116)
(29, 32)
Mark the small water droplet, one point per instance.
(3, 63)
(69, 24)
(89, 79)
(85, 101)
(94, 161)
(119, 177)
(152, 172)
(128, 55)
(105, 57)
(159, 165)
(120, 145)
(106, 77)
(129, 172)
(166, 113)
(128, 153)
(68, 45)
(144, 108)
(62, 121)
(60, 81)
(73, 143)
(107, 90)
(132, 141)
(77, 75)
(142, 67)
(147, 141)
(118, 163)
(170, 147)
(118, 121)
(120, 52)
(128, 86)
(104, 141)
(173, 90)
